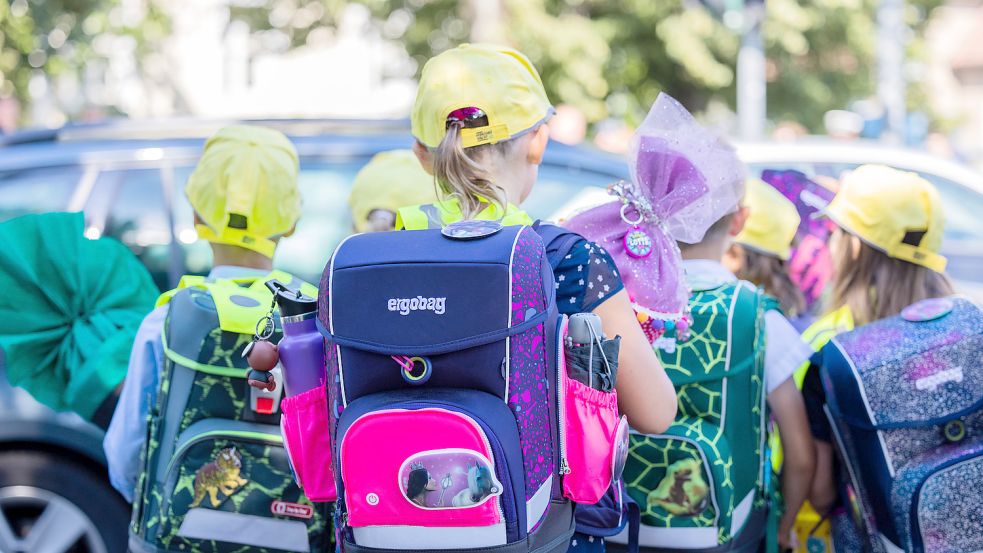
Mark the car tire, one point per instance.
(48, 501)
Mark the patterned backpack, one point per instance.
(442, 368)
(216, 476)
(702, 484)
(905, 397)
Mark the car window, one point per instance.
(128, 205)
(325, 220)
(36, 190)
(962, 207)
(559, 190)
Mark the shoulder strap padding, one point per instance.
(240, 302)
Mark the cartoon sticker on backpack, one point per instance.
(682, 491)
(448, 479)
(221, 475)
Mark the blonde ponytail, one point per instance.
(461, 176)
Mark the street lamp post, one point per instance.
(891, 85)
(751, 89)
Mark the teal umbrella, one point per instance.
(69, 309)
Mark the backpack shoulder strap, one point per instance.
(748, 316)
(557, 241)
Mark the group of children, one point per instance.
(665, 266)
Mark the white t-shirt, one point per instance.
(784, 349)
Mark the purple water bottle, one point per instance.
(301, 348)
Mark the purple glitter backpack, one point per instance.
(905, 397)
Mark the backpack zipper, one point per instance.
(561, 411)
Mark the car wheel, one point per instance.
(50, 503)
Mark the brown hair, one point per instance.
(876, 286)
(460, 171)
(770, 273)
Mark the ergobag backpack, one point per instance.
(442, 369)
(701, 485)
(905, 397)
(216, 477)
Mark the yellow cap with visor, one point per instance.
(772, 222)
(501, 83)
(897, 212)
(244, 188)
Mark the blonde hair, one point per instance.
(461, 173)
(876, 286)
(770, 273)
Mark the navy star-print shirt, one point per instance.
(585, 278)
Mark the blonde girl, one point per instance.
(480, 123)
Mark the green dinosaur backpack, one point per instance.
(216, 476)
(701, 484)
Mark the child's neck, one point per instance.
(704, 250)
(225, 255)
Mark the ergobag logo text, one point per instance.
(419, 303)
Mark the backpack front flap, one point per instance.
(215, 457)
(421, 294)
(704, 474)
(444, 350)
(900, 389)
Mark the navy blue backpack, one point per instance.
(442, 353)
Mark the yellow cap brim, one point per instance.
(904, 252)
(239, 238)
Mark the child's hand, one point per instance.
(787, 538)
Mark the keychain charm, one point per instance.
(262, 355)
(638, 244)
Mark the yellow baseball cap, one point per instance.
(897, 212)
(772, 222)
(389, 181)
(244, 188)
(498, 80)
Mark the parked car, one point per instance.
(128, 178)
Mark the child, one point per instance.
(245, 196)
(759, 253)
(689, 184)
(480, 121)
(389, 181)
(885, 253)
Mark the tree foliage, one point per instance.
(610, 58)
(57, 38)
(613, 57)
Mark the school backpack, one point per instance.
(216, 477)
(702, 484)
(442, 353)
(905, 398)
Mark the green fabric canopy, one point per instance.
(69, 309)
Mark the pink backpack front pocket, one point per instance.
(426, 467)
(592, 430)
(304, 426)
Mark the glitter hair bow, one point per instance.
(684, 178)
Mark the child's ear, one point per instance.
(738, 220)
(537, 145)
(424, 155)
